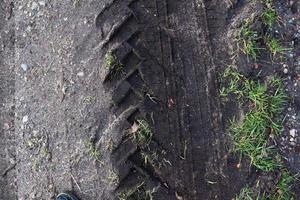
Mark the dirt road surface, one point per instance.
(77, 75)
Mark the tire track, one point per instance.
(167, 54)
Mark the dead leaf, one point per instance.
(171, 102)
(134, 128)
(178, 196)
(6, 126)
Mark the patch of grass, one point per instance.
(89, 100)
(251, 140)
(274, 46)
(276, 104)
(113, 177)
(248, 39)
(233, 83)
(247, 194)
(252, 135)
(92, 151)
(45, 152)
(143, 134)
(281, 191)
(137, 193)
(111, 62)
(109, 145)
(284, 187)
(269, 16)
(149, 157)
(267, 3)
(265, 102)
(155, 159)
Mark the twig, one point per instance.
(9, 168)
(76, 183)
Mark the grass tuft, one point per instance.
(92, 151)
(284, 187)
(249, 41)
(269, 17)
(245, 194)
(112, 64)
(282, 190)
(248, 194)
(232, 86)
(274, 46)
(110, 60)
(263, 102)
(143, 135)
(137, 193)
(266, 101)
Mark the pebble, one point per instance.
(80, 74)
(34, 6)
(24, 67)
(6, 126)
(291, 20)
(42, 3)
(85, 21)
(285, 70)
(25, 119)
(293, 133)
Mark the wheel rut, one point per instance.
(168, 72)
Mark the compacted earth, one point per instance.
(146, 100)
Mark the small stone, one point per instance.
(25, 119)
(285, 70)
(291, 21)
(80, 74)
(293, 133)
(6, 126)
(34, 6)
(85, 21)
(42, 3)
(24, 67)
(12, 161)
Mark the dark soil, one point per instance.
(66, 114)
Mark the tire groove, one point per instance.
(131, 75)
(175, 66)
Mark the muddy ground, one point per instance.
(65, 115)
